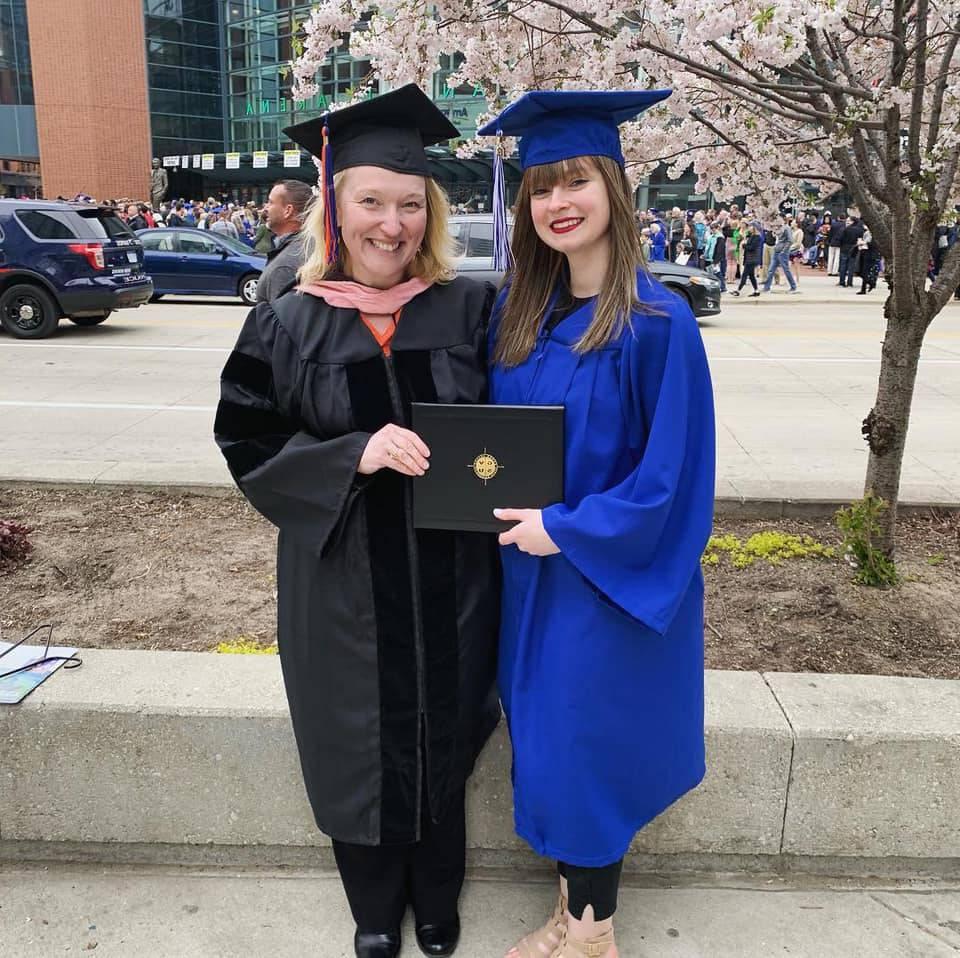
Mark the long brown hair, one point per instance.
(538, 269)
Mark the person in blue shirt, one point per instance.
(601, 644)
(658, 243)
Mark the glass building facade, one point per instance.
(18, 123)
(260, 46)
(185, 50)
(220, 75)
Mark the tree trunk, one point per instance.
(886, 425)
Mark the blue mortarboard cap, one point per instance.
(558, 125)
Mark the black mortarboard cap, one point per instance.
(389, 131)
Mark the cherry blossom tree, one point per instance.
(769, 98)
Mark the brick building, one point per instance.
(90, 97)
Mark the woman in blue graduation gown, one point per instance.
(601, 646)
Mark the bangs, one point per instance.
(547, 175)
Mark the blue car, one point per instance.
(194, 262)
(65, 259)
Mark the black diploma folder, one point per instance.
(483, 458)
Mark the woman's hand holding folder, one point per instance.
(394, 447)
(528, 535)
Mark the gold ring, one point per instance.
(394, 454)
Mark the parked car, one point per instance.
(188, 261)
(473, 233)
(65, 259)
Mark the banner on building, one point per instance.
(185, 162)
(260, 158)
(171, 161)
(291, 158)
(206, 161)
(196, 161)
(233, 161)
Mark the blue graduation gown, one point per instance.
(601, 646)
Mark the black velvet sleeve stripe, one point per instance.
(243, 457)
(236, 421)
(249, 372)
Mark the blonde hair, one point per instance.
(435, 261)
(538, 269)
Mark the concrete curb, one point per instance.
(161, 756)
(744, 507)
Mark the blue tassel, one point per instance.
(331, 228)
(502, 254)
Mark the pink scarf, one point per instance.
(367, 300)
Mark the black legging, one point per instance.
(592, 886)
(749, 273)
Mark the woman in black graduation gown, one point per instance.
(387, 634)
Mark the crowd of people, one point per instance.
(738, 246)
(245, 222)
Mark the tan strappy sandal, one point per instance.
(544, 942)
(592, 948)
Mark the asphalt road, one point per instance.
(133, 400)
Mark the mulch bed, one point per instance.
(116, 568)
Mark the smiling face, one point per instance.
(573, 213)
(383, 219)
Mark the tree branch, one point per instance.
(946, 179)
(727, 81)
(700, 118)
(696, 148)
(829, 83)
(940, 86)
(598, 28)
(919, 77)
(808, 175)
(867, 168)
(947, 281)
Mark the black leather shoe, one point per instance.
(439, 940)
(369, 945)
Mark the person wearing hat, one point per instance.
(387, 634)
(601, 645)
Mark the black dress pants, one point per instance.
(381, 880)
(749, 273)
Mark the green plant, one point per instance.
(770, 545)
(244, 645)
(860, 525)
(938, 558)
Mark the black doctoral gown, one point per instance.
(387, 634)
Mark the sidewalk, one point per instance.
(815, 288)
(125, 912)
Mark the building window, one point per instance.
(184, 68)
(16, 78)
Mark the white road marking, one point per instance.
(818, 359)
(854, 360)
(105, 405)
(162, 349)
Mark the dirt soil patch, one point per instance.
(115, 568)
